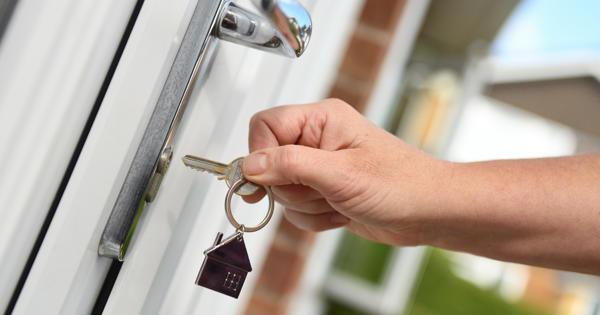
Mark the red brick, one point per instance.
(363, 58)
(382, 14)
(281, 271)
(376, 35)
(355, 97)
(259, 305)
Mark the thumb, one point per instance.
(324, 171)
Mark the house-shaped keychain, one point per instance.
(225, 265)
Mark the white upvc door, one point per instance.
(54, 57)
(166, 251)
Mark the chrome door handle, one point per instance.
(284, 26)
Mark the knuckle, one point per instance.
(340, 104)
(342, 111)
(336, 103)
(255, 119)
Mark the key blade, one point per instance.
(205, 165)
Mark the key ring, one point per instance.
(234, 222)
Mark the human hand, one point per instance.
(329, 167)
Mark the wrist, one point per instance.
(439, 202)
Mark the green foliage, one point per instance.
(441, 292)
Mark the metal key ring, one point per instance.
(234, 222)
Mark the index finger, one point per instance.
(328, 125)
(275, 127)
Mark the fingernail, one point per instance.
(255, 164)
(338, 218)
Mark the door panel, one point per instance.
(159, 272)
(53, 60)
(68, 273)
(166, 251)
(188, 212)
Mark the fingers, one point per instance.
(295, 193)
(329, 124)
(289, 193)
(309, 207)
(327, 172)
(316, 222)
(286, 193)
(296, 197)
(255, 197)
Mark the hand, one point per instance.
(330, 167)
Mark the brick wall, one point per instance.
(366, 51)
(356, 77)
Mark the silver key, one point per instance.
(231, 172)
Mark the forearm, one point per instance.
(543, 212)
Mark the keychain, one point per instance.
(226, 262)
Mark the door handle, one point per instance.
(283, 28)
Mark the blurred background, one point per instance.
(464, 80)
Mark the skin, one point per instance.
(330, 167)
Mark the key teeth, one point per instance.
(205, 171)
(195, 168)
(208, 166)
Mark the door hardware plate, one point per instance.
(154, 152)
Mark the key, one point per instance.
(231, 172)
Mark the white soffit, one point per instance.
(497, 70)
